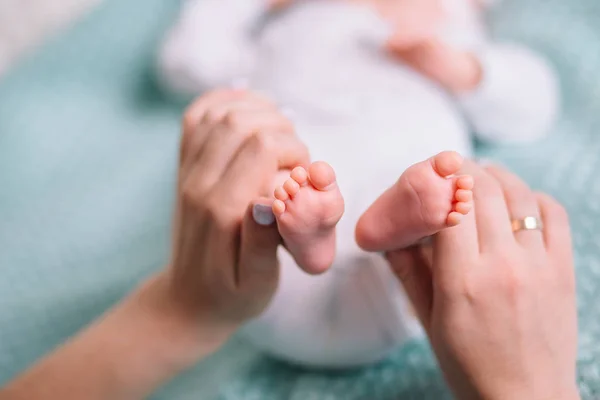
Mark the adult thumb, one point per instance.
(411, 268)
(258, 272)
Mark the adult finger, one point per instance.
(248, 119)
(459, 245)
(196, 111)
(521, 203)
(240, 116)
(489, 222)
(414, 273)
(257, 162)
(258, 269)
(209, 110)
(227, 138)
(253, 166)
(556, 232)
(489, 206)
(220, 111)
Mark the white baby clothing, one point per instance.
(370, 117)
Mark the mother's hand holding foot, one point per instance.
(496, 294)
(223, 269)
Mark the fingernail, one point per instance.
(263, 214)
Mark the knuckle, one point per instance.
(222, 216)
(189, 120)
(234, 120)
(509, 281)
(262, 143)
(212, 116)
(192, 195)
(514, 283)
(194, 190)
(189, 124)
(471, 289)
(192, 114)
(464, 287)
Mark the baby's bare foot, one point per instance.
(307, 208)
(427, 198)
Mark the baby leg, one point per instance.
(427, 198)
(307, 207)
(354, 315)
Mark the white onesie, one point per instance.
(370, 117)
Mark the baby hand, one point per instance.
(412, 20)
(277, 4)
(457, 71)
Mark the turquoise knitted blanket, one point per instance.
(88, 151)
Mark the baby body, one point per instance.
(370, 117)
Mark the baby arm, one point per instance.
(210, 45)
(517, 98)
(507, 92)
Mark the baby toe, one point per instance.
(300, 175)
(291, 187)
(322, 175)
(447, 163)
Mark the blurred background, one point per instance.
(88, 147)
(25, 23)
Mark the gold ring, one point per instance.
(527, 224)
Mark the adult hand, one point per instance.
(224, 268)
(499, 307)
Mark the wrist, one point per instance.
(188, 333)
(155, 337)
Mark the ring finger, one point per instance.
(522, 207)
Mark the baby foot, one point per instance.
(308, 206)
(427, 198)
